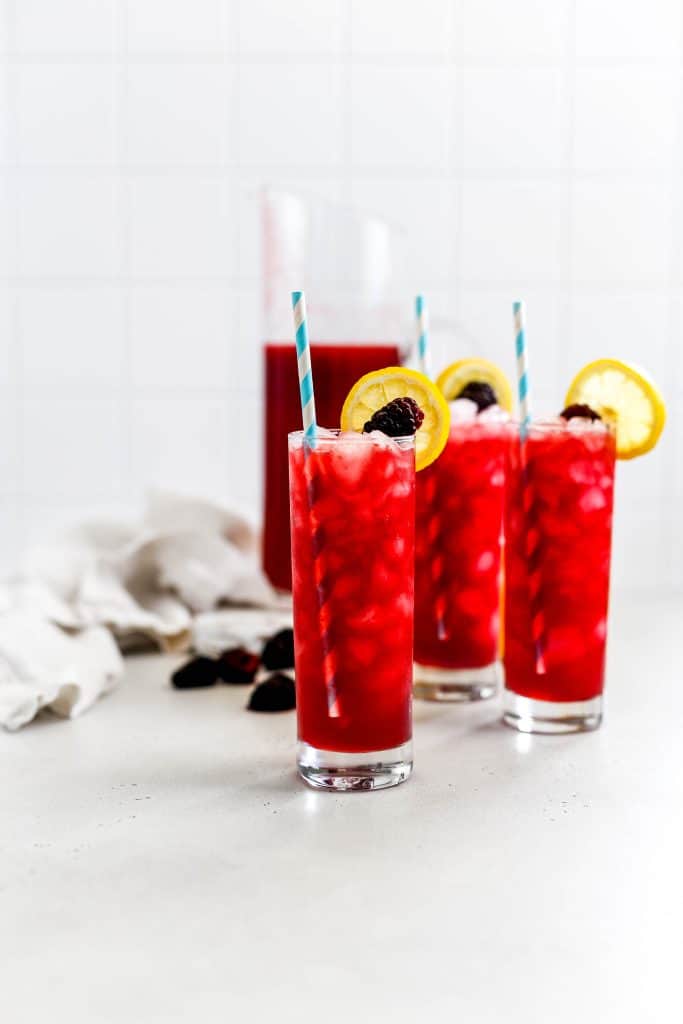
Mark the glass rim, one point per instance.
(596, 427)
(341, 340)
(340, 437)
(479, 424)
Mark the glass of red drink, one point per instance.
(558, 530)
(459, 518)
(336, 367)
(352, 532)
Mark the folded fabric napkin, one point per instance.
(105, 586)
(43, 666)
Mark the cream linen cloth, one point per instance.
(108, 586)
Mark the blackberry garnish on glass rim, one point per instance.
(399, 418)
(479, 392)
(578, 410)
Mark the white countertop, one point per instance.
(160, 861)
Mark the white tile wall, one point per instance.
(303, 27)
(67, 225)
(7, 347)
(180, 226)
(274, 99)
(629, 30)
(380, 31)
(632, 324)
(526, 148)
(401, 118)
(178, 338)
(513, 232)
(72, 448)
(169, 27)
(9, 453)
(65, 113)
(621, 232)
(497, 30)
(172, 112)
(71, 26)
(184, 442)
(89, 358)
(398, 201)
(512, 120)
(615, 127)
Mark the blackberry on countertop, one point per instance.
(276, 693)
(279, 650)
(238, 666)
(195, 673)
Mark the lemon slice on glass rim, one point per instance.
(458, 375)
(374, 390)
(625, 396)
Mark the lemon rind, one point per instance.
(395, 382)
(639, 431)
(463, 371)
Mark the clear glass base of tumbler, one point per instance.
(456, 684)
(544, 716)
(374, 769)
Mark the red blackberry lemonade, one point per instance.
(554, 671)
(457, 564)
(352, 505)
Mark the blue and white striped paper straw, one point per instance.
(531, 540)
(519, 313)
(423, 353)
(303, 351)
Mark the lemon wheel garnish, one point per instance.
(375, 389)
(456, 376)
(624, 395)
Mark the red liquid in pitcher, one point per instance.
(336, 368)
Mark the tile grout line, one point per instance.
(407, 173)
(457, 162)
(615, 285)
(669, 540)
(619, 285)
(120, 100)
(566, 294)
(233, 82)
(406, 59)
(347, 169)
(17, 357)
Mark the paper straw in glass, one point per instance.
(532, 537)
(303, 351)
(423, 349)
